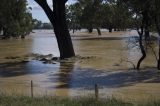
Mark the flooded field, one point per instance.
(107, 60)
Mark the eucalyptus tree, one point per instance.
(91, 14)
(141, 11)
(15, 18)
(115, 15)
(74, 12)
(108, 18)
(57, 17)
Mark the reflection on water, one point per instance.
(105, 64)
(45, 44)
(65, 71)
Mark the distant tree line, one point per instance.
(117, 15)
(96, 14)
(37, 24)
(15, 18)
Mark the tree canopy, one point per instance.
(99, 14)
(15, 18)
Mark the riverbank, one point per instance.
(57, 101)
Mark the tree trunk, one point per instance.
(158, 62)
(158, 30)
(5, 34)
(146, 21)
(58, 19)
(99, 31)
(110, 29)
(142, 49)
(90, 30)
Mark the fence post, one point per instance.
(31, 88)
(96, 91)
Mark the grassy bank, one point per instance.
(57, 101)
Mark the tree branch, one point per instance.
(44, 5)
(41, 2)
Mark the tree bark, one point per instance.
(58, 19)
(99, 31)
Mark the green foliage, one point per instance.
(99, 13)
(15, 18)
(146, 12)
(117, 14)
(91, 13)
(73, 16)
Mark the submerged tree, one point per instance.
(141, 11)
(57, 17)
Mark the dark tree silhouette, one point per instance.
(57, 17)
(141, 47)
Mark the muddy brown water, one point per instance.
(107, 61)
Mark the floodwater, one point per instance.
(106, 60)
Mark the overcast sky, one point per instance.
(38, 13)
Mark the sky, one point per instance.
(38, 13)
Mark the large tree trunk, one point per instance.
(58, 20)
(61, 30)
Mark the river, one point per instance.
(107, 61)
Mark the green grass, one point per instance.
(58, 101)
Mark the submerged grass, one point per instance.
(59, 101)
